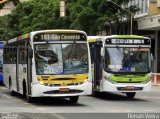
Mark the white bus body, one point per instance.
(110, 73)
(36, 64)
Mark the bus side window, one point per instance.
(14, 53)
(5, 54)
(22, 52)
(10, 54)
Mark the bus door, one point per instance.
(29, 67)
(22, 64)
(97, 66)
(17, 67)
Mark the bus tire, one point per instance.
(25, 93)
(94, 93)
(74, 99)
(12, 93)
(24, 89)
(29, 99)
(131, 94)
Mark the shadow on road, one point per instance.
(1, 84)
(46, 101)
(50, 101)
(116, 97)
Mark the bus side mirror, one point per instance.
(30, 53)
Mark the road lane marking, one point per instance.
(114, 110)
(59, 116)
(40, 108)
(150, 110)
(148, 97)
(26, 103)
(119, 110)
(127, 111)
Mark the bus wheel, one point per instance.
(25, 93)
(12, 93)
(29, 99)
(74, 99)
(131, 94)
(94, 93)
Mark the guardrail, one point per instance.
(155, 77)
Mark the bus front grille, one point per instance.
(71, 91)
(63, 84)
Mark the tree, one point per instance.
(91, 15)
(32, 15)
(87, 15)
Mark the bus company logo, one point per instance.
(130, 79)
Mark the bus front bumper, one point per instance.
(126, 87)
(39, 90)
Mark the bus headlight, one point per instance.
(85, 81)
(108, 79)
(41, 82)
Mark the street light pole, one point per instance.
(62, 8)
(131, 14)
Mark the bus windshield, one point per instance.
(124, 60)
(61, 58)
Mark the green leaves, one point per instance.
(30, 16)
(87, 15)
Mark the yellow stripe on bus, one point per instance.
(63, 80)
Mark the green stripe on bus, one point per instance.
(126, 78)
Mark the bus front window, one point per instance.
(61, 58)
(123, 60)
(75, 58)
(48, 58)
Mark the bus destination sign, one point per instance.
(58, 37)
(128, 41)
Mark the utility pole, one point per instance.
(62, 8)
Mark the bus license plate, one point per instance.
(64, 90)
(130, 88)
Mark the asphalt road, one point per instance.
(16, 107)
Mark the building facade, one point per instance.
(9, 6)
(148, 24)
(7, 9)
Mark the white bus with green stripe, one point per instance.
(121, 63)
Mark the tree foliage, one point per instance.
(87, 15)
(90, 15)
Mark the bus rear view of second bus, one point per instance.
(121, 63)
